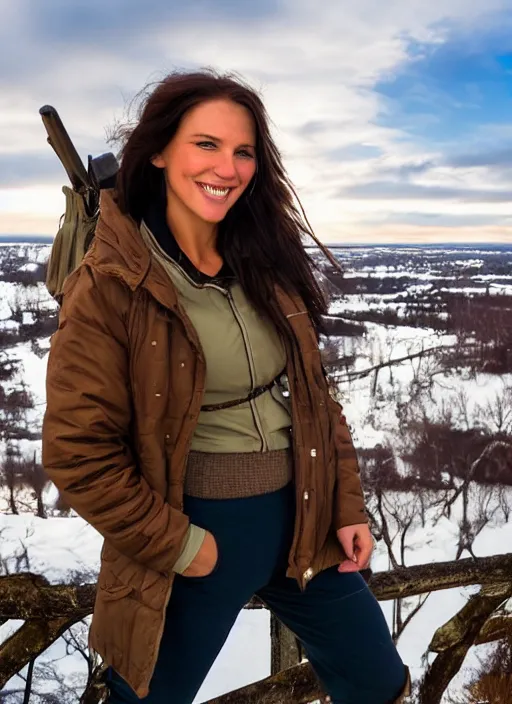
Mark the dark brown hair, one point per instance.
(261, 236)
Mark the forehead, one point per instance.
(221, 118)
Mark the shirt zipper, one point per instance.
(254, 410)
(247, 345)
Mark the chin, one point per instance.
(213, 216)
(214, 221)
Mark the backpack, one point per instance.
(77, 225)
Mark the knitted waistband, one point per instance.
(235, 475)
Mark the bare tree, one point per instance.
(33, 475)
(11, 475)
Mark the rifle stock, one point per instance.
(61, 143)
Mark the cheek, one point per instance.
(181, 179)
(196, 164)
(246, 171)
(185, 164)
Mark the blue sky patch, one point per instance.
(445, 90)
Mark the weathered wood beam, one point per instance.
(421, 579)
(285, 648)
(453, 640)
(28, 642)
(28, 596)
(495, 628)
(49, 610)
(296, 685)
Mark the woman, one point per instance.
(167, 428)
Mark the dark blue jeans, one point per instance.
(337, 618)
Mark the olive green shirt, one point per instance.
(242, 351)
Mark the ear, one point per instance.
(158, 161)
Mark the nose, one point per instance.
(225, 166)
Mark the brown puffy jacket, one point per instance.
(125, 382)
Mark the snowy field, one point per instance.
(60, 547)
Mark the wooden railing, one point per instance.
(49, 610)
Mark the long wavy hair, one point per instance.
(261, 237)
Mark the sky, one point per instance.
(393, 118)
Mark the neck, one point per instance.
(195, 237)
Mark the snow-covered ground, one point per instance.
(60, 547)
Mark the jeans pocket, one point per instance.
(204, 577)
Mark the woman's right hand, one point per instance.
(204, 562)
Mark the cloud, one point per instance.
(435, 234)
(405, 171)
(442, 220)
(323, 75)
(97, 21)
(354, 152)
(382, 190)
(40, 33)
(499, 157)
(30, 169)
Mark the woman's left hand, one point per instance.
(357, 542)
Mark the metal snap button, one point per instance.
(308, 574)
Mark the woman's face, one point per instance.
(210, 160)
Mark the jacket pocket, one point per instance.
(115, 593)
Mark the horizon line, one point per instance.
(331, 245)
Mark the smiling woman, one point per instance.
(209, 131)
(205, 175)
(189, 418)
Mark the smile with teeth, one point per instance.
(214, 190)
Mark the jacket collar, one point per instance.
(119, 250)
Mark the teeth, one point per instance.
(215, 191)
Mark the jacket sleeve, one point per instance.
(349, 504)
(86, 429)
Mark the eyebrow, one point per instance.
(218, 139)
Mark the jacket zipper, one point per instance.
(247, 345)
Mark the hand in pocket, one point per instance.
(204, 562)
